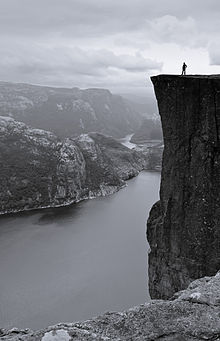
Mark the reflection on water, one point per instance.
(55, 215)
(72, 263)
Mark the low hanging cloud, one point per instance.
(38, 63)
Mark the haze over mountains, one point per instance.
(69, 112)
(150, 129)
(144, 103)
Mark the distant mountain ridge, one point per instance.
(68, 111)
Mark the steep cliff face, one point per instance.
(184, 226)
(39, 170)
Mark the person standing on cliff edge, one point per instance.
(184, 69)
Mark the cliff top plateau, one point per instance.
(214, 76)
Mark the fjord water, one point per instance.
(73, 263)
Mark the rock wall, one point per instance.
(183, 228)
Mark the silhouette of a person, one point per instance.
(184, 69)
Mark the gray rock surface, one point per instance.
(40, 170)
(192, 315)
(184, 226)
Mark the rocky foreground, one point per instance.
(191, 315)
(39, 170)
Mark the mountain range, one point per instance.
(69, 111)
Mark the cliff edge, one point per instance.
(192, 315)
(183, 228)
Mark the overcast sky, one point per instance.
(115, 44)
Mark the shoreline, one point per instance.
(65, 204)
(110, 190)
(76, 201)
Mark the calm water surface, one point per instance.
(76, 262)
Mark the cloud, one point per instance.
(38, 63)
(169, 29)
(87, 18)
(92, 42)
